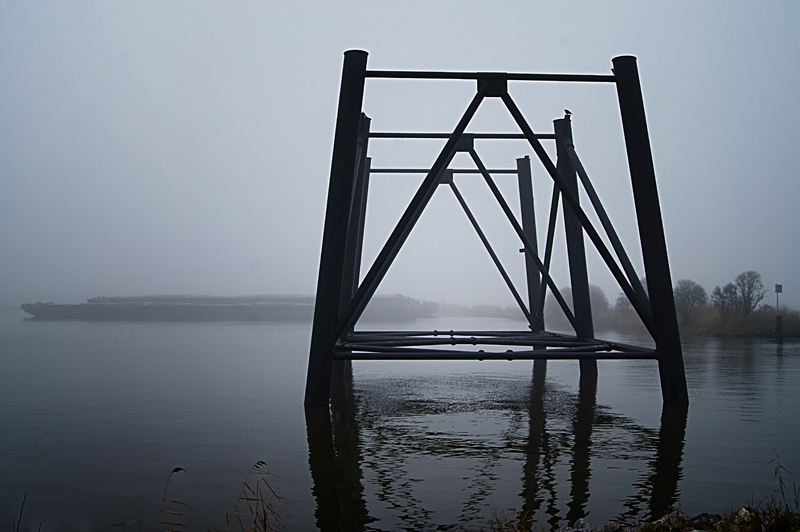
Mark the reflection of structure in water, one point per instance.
(334, 458)
(389, 438)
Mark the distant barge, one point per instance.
(214, 308)
(179, 308)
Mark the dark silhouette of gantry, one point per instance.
(341, 298)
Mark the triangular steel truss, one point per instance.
(341, 299)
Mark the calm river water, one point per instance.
(94, 416)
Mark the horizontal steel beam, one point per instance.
(388, 339)
(475, 355)
(505, 136)
(376, 348)
(510, 76)
(435, 333)
(426, 170)
(419, 341)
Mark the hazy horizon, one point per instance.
(184, 148)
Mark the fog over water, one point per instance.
(184, 147)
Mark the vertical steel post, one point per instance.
(362, 193)
(527, 211)
(355, 230)
(529, 228)
(548, 245)
(334, 236)
(651, 231)
(576, 251)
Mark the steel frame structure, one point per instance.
(341, 299)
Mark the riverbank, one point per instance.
(770, 515)
(760, 323)
(266, 510)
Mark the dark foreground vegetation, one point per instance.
(259, 508)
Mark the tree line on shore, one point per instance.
(734, 309)
(740, 297)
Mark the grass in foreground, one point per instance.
(259, 508)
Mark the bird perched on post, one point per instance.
(567, 113)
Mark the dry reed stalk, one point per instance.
(164, 499)
(267, 508)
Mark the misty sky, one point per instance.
(184, 146)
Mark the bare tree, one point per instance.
(749, 291)
(598, 299)
(688, 296)
(726, 301)
(623, 303)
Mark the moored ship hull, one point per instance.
(171, 311)
(218, 308)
